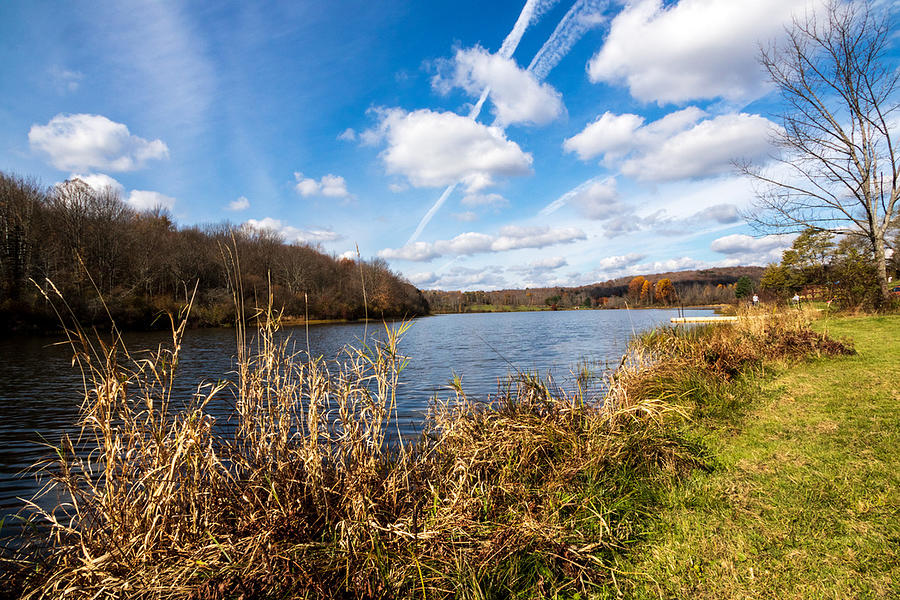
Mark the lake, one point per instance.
(40, 390)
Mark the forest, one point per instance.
(108, 260)
(696, 287)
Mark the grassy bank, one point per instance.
(805, 502)
(530, 494)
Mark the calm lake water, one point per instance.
(40, 390)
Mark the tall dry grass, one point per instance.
(305, 496)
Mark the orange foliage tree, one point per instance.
(635, 287)
(646, 292)
(665, 291)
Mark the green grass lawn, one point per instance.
(805, 502)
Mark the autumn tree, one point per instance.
(665, 291)
(839, 167)
(635, 286)
(646, 292)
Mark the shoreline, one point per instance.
(510, 308)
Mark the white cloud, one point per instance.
(624, 224)
(673, 265)
(541, 266)
(334, 186)
(720, 213)
(330, 186)
(142, 200)
(681, 208)
(709, 148)
(611, 263)
(676, 146)
(306, 187)
(715, 216)
(739, 243)
(65, 80)
(434, 149)
(348, 135)
(608, 134)
(598, 200)
(608, 267)
(466, 216)
(553, 262)
(160, 58)
(495, 200)
(611, 267)
(416, 251)
(100, 182)
(685, 263)
(513, 237)
(398, 187)
(240, 204)
(510, 237)
(83, 142)
(747, 250)
(461, 278)
(517, 95)
(293, 234)
(466, 243)
(695, 49)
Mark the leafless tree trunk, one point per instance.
(19, 202)
(838, 169)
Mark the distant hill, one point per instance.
(681, 279)
(699, 286)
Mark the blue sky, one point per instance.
(603, 146)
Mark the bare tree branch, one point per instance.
(839, 87)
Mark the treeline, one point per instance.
(823, 266)
(92, 245)
(707, 286)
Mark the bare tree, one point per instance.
(839, 167)
(20, 199)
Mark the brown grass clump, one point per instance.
(728, 350)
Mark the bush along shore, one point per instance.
(530, 493)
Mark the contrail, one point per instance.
(583, 16)
(530, 12)
(564, 199)
(430, 213)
